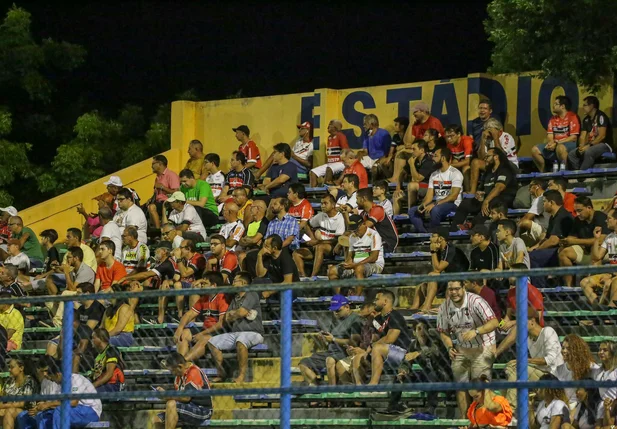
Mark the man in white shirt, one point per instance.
(233, 229)
(533, 225)
(129, 214)
(215, 176)
(111, 231)
(469, 319)
(603, 250)
(185, 217)
(17, 257)
(512, 250)
(171, 234)
(544, 354)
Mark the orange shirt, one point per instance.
(108, 275)
(358, 169)
(302, 211)
(563, 128)
(480, 416)
(568, 203)
(418, 130)
(251, 151)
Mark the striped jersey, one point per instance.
(363, 246)
(328, 227)
(336, 144)
(136, 258)
(216, 181)
(472, 314)
(303, 150)
(442, 183)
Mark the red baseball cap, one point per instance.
(306, 125)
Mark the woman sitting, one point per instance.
(119, 321)
(487, 408)
(107, 375)
(584, 415)
(552, 410)
(18, 384)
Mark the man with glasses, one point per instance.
(222, 260)
(166, 182)
(562, 134)
(461, 147)
(596, 136)
(423, 120)
(171, 234)
(28, 242)
(469, 320)
(199, 195)
(130, 214)
(239, 175)
(444, 193)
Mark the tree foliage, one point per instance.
(14, 162)
(575, 39)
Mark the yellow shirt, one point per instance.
(12, 319)
(196, 166)
(89, 257)
(243, 209)
(110, 323)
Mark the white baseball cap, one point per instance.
(176, 196)
(114, 180)
(10, 210)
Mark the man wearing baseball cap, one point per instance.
(337, 338)
(114, 185)
(248, 147)
(301, 153)
(185, 216)
(5, 233)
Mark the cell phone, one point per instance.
(305, 237)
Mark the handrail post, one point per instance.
(286, 339)
(67, 362)
(522, 301)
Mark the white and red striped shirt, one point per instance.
(472, 314)
(302, 211)
(329, 227)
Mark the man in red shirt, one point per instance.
(300, 207)
(210, 310)
(109, 271)
(337, 141)
(559, 184)
(222, 260)
(248, 147)
(375, 217)
(562, 134)
(423, 121)
(462, 149)
(352, 166)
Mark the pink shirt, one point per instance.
(170, 180)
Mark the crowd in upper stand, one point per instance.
(271, 233)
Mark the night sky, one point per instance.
(147, 52)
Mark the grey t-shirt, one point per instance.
(83, 275)
(249, 301)
(351, 325)
(509, 254)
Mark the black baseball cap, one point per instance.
(242, 128)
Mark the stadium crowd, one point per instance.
(272, 233)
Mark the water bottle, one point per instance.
(555, 166)
(562, 166)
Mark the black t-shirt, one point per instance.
(560, 224)
(425, 167)
(394, 320)
(166, 270)
(275, 171)
(486, 259)
(591, 125)
(94, 312)
(284, 264)
(582, 229)
(397, 140)
(52, 256)
(504, 175)
(456, 259)
(14, 289)
(83, 332)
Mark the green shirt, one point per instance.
(31, 247)
(201, 189)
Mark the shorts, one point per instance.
(582, 258)
(369, 270)
(472, 363)
(395, 356)
(227, 341)
(336, 167)
(551, 155)
(346, 363)
(317, 361)
(595, 282)
(367, 162)
(190, 414)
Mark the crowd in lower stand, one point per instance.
(271, 233)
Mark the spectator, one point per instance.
(222, 260)
(607, 355)
(166, 183)
(479, 287)
(350, 165)
(233, 229)
(191, 266)
(563, 131)
(604, 249)
(399, 152)
(240, 196)
(185, 216)
(73, 239)
(443, 194)
(493, 137)
(196, 161)
(596, 136)
(282, 174)
(375, 144)
(248, 147)
(385, 169)
(380, 195)
(29, 244)
(488, 409)
(171, 234)
(214, 176)
(239, 175)
(485, 253)
(135, 253)
(610, 412)
(129, 214)
(210, 310)
(108, 372)
(552, 411)
(337, 142)
(300, 208)
(364, 258)
(461, 147)
(498, 212)
(199, 195)
(81, 334)
(13, 323)
(347, 202)
(16, 257)
(18, 384)
(559, 226)
(185, 410)
(90, 312)
(588, 401)
(109, 271)
(5, 232)
(119, 321)
(92, 227)
(279, 266)
(347, 325)
(423, 121)
(544, 354)
(533, 225)
(578, 364)
(82, 411)
(245, 329)
(421, 166)
(576, 246)
(476, 129)
(9, 282)
(470, 321)
(43, 411)
(111, 231)
(114, 186)
(394, 339)
(375, 217)
(445, 258)
(256, 229)
(560, 184)
(328, 225)
(301, 153)
(512, 249)
(499, 185)
(52, 259)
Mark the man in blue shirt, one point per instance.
(281, 174)
(375, 145)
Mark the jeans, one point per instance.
(438, 214)
(542, 258)
(123, 339)
(80, 415)
(586, 160)
(41, 420)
